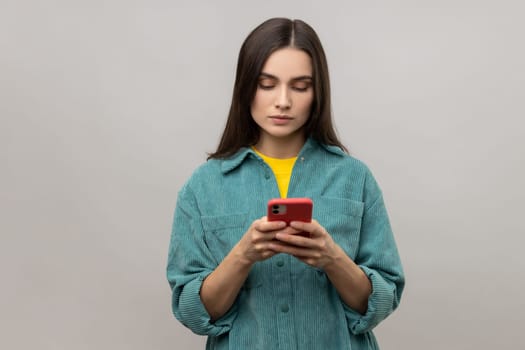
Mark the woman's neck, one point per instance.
(282, 148)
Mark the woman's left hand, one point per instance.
(320, 251)
(317, 249)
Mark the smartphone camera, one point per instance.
(279, 209)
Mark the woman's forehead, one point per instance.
(288, 63)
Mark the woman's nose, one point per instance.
(283, 99)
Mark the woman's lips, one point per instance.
(280, 119)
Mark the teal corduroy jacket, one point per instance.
(284, 303)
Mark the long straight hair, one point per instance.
(274, 34)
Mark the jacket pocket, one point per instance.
(342, 218)
(221, 234)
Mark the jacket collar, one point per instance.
(310, 145)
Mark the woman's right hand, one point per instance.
(221, 287)
(254, 245)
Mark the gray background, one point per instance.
(107, 106)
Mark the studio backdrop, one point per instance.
(106, 108)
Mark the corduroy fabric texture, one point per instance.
(284, 304)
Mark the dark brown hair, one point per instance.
(273, 34)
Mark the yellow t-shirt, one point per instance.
(282, 169)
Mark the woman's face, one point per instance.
(284, 96)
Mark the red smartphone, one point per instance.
(290, 209)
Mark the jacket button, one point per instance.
(284, 308)
(280, 263)
(266, 176)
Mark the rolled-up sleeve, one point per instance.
(189, 263)
(378, 257)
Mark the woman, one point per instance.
(248, 283)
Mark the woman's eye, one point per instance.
(266, 86)
(269, 84)
(301, 87)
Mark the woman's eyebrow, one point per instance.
(271, 76)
